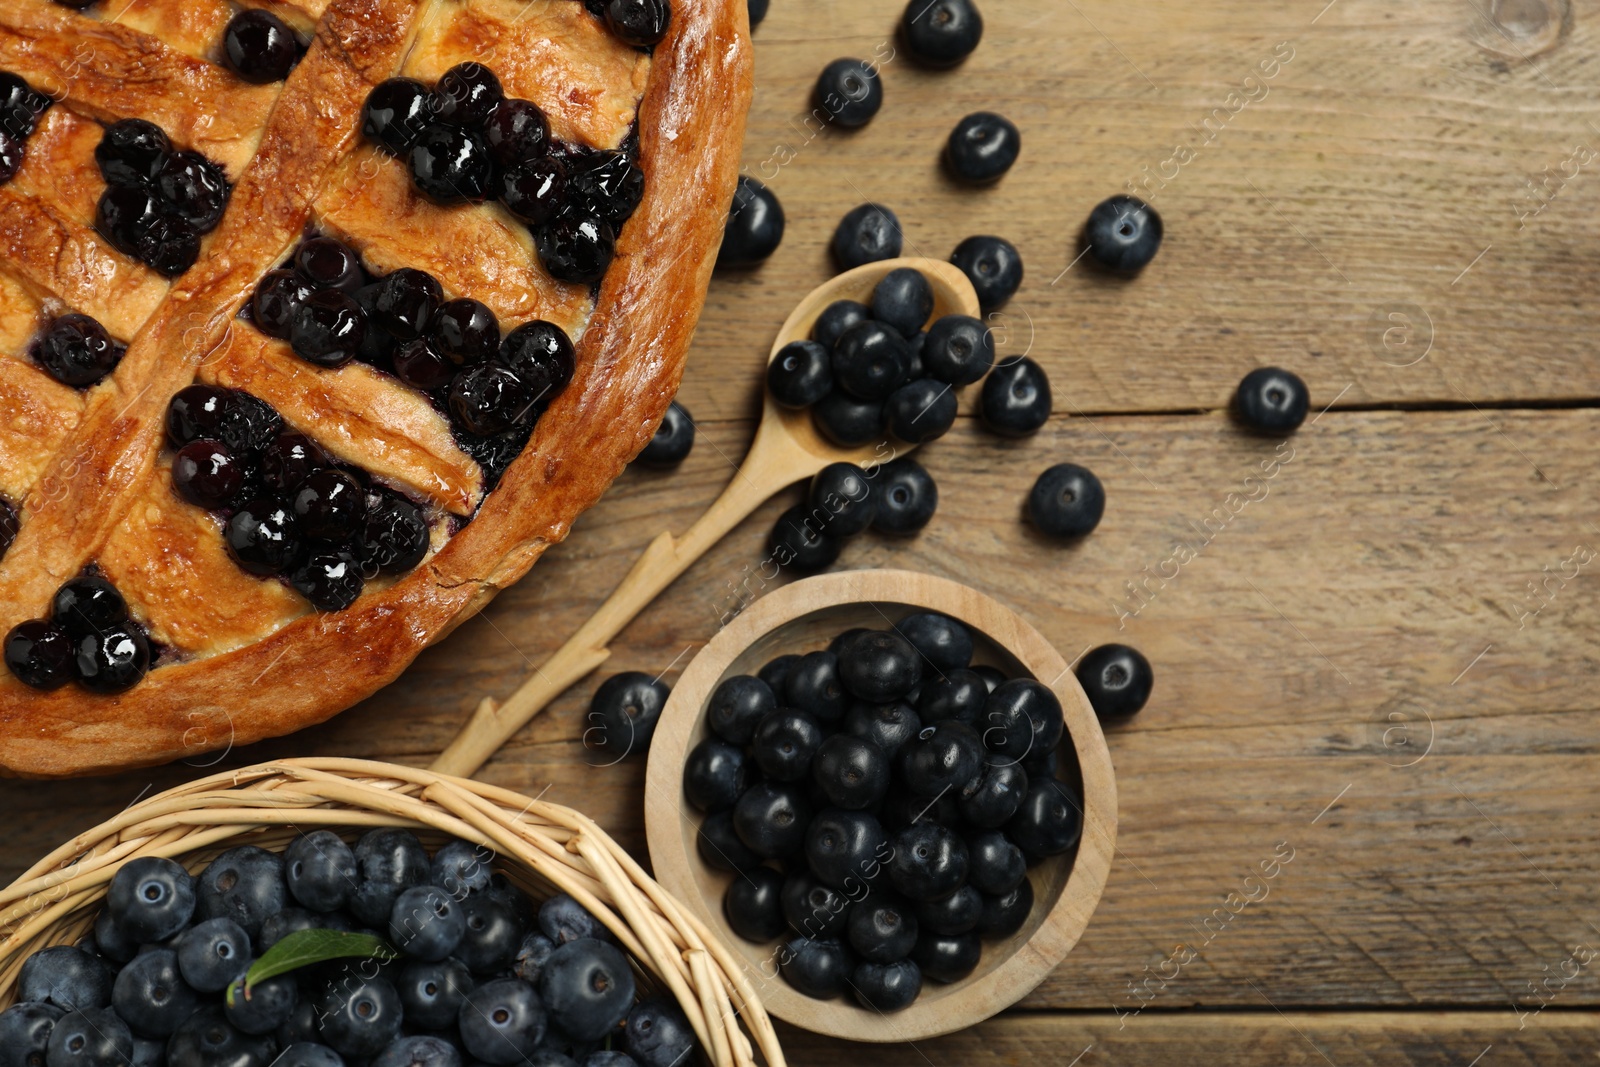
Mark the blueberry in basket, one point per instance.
(189, 969)
(876, 848)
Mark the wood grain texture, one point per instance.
(1358, 182)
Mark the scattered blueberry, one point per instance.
(624, 712)
(866, 234)
(1117, 680)
(672, 440)
(259, 47)
(1016, 398)
(992, 265)
(1123, 233)
(850, 91)
(798, 541)
(907, 498)
(959, 350)
(1066, 501)
(921, 411)
(754, 228)
(1271, 400)
(982, 147)
(941, 33)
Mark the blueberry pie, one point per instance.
(319, 321)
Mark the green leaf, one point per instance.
(305, 947)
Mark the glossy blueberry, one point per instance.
(753, 904)
(405, 302)
(929, 862)
(169, 246)
(131, 151)
(268, 1004)
(193, 189)
(1123, 233)
(943, 756)
(88, 604)
(489, 399)
(65, 976)
(493, 932)
(450, 164)
(1066, 501)
(248, 425)
(13, 151)
(846, 849)
(259, 47)
(888, 726)
(388, 862)
(623, 714)
(813, 908)
(841, 500)
(534, 190)
(840, 315)
(360, 1016)
(151, 898)
(465, 331)
(771, 819)
(576, 249)
(941, 33)
(112, 660)
(460, 868)
(1271, 400)
(394, 535)
(420, 1050)
(1016, 398)
(903, 300)
(715, 774)
(542, 355)
(1035, 703)
(603, 183)
(657, 1034)
(272, 306)
(953, 915)
(852, 772)
(321, 871)
(982, 147)
(800, 374)
(879, 666)
(959, 350)
(563, 919)
(886, 987)
(517, 131)
(1117, 679)
(25, 1033)
(588, 988)
(75, 350)
(640, 23)
(882, 930)
(91, 1037)
(813, 686)
(850, 91)
(206, 474)
(848, 422)
(947, 957)
(421, 365)
(212, 953)
(944, 643)
(785, 742)
(719, 845)
(797, 541)
(754, 228)
(1050, 820)
(21, 105)
(466, 95)
(426, 923)
(993, 796)
(1004, 915)
(996, 864)
(957, 694)
(327, 328)
(907, 498)
(775, 672)
(866, 234)
(124, 215)
(396, 112)
(264, 537)
(245, 884)
(673, 439)
(994, 267)
(331, 581)
(737, 705)
(39, 654)
(329, 505)
(818, 967)
(921, 410)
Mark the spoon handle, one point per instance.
(767, 468)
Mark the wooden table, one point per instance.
(1382, 660)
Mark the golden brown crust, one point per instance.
(630, 358)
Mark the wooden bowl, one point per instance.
(803, 617)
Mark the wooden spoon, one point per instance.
(786, 449)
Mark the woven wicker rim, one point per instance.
(56, 901)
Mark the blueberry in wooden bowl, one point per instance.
(954, 790)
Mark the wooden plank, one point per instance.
(1346, 1039)
(1361, 181)
(1381, 572)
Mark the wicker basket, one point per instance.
(544, 848)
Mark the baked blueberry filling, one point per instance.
(159, 201)
(75, 350)
(89, 637)
(21, 107)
